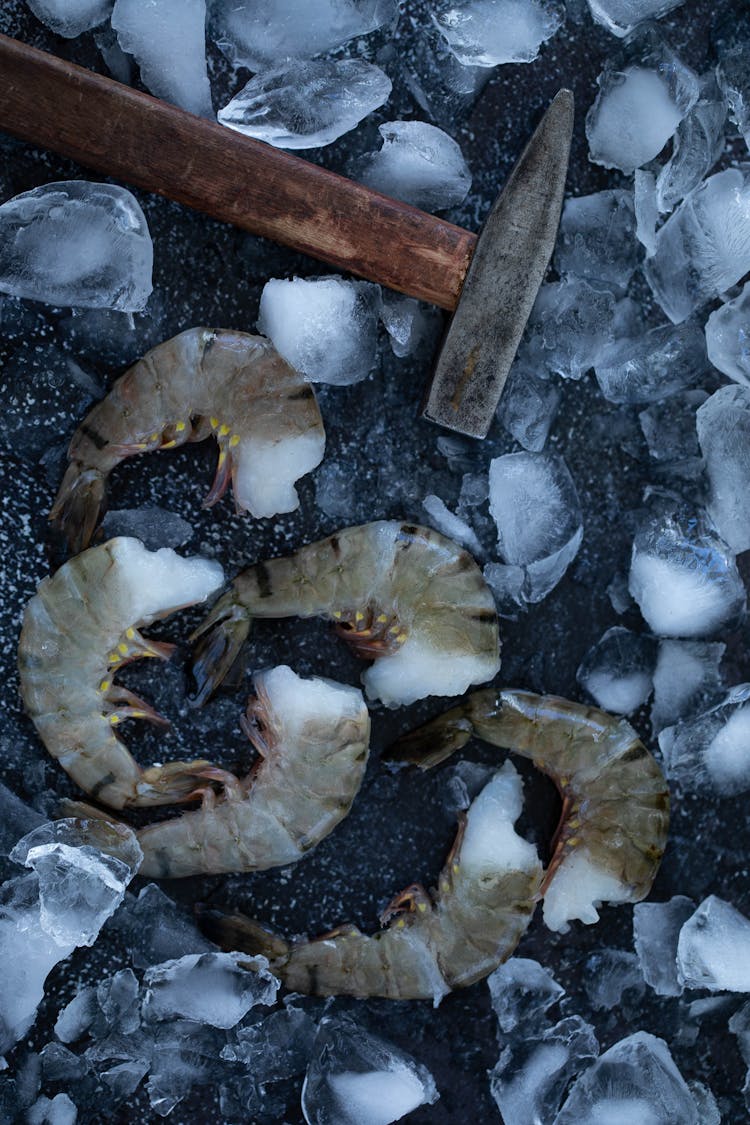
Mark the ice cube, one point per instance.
(76, 243)
(610, 973)
(704, 247)
(155, 527)
(646, 210)
(535, 506)
(156, 929)
(307, 104)
(437, 81)
(713, 749)
(261, 33)
(642, 99)
(184, 1055)
(119, 1002)
(417, 163)
(686, 680)
(635, 1081)
(669, 428)
(653, 365)
(325, 327)
(16, 819)
(355, 1078)
(444, 520)
(596, 239)
(60, 1110)
(569, 325)
(728, 337)
(522, 990)
(697, 145)
(407, 322)
(528, 407)
(622, 16)
(723, 423)
(212, 988)
(531, 1075)
(70, 17)
(684, 577)
(168, 40)
(656, 928)
(277, 1047)
(618, 670)
(490, 32)
(713, 951)
(733, 71)
(77, 1016)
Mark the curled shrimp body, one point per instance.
(313, 738)
(263, 414)
(486, 896)
(615, 801)
(404, 596)
(78, 629)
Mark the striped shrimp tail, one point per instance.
(79, 505)
(219, 641)
(240, 934)
(433, 743)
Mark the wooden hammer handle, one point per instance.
(146, 142)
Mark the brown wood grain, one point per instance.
(133, 137)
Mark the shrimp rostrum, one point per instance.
(261, 411)
(78, 629)
(404, 596)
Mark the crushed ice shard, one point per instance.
(417, 163)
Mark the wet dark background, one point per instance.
(401, 826)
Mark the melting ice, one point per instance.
(417, 163)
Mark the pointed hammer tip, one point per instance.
(562, 106)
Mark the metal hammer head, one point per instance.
(501, 283)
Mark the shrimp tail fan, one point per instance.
(237, 933)
(433, 743)
(218, 643)
(79, 505)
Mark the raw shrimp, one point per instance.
(401, 595)
(486, 896)
(313, 737)
(615, 801)
(78, 629)
(263, 414)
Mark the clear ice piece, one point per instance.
(325, 327)
(528, 407)
(686, 680)
(652, 365)
(491, 32)
(669, 427)
(656, 929)
(712, 750)
(532, 1074)
(635, 1081)
(733, 71)
(262, 33)
(417, 163)
(443, 519)
(536, 509)
(713, 951)
(684, 577)
(618, 670)
(307, 104)
(569, 325)
(355, 1078)
(728, 337)
(76, 243)
(16, 819)
(168, 41)
(407, 322)
(704, 247)
(435, 78)
(60, 1110)
(646, 210)
(723, 423)
(610, 973)
(622, 16)
(155, 527)
(277, 1047)
(522, 990)
(213, 988)
(155, 929)
(697, 145)
(70, 18)
(596, 239)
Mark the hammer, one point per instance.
(489, 282)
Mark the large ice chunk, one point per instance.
(261, 33)
(728, 337)
(307, 104)
(704, 247)
(71, 17)
(417, 163)
(76, 243)
(697, 145)
(325, 327)
(652, 365)
(712, 749)
(532, 1074)
(622, 16)
(535, 506)
(490, 32)
(724, 434)
(656, 929)
(641, 101)
(596, 239)
(213, 988)
(438, 82)
(684, 577)
(355, 1078)
(686, 679)
(637, 1082)
(168, 40)
(569, 325)
(618, 670)
(714, 948)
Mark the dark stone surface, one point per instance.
(399, 829)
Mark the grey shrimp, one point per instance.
(78, 629)
(263, 414)
(487, 893)
(313, 739)
(404, 596)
